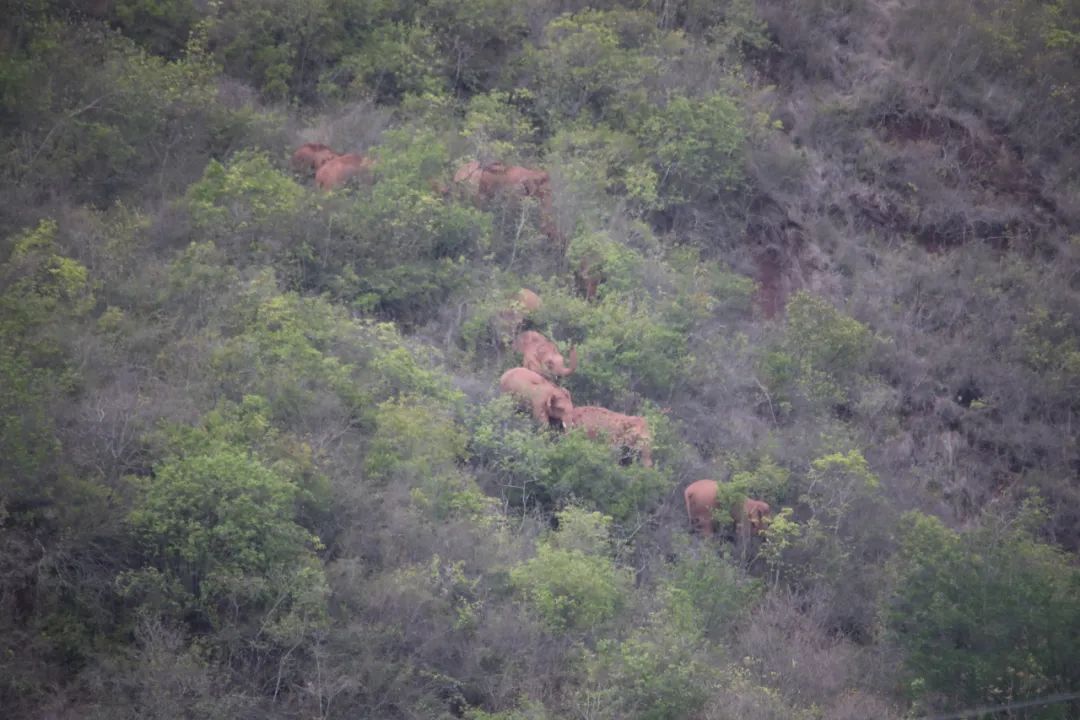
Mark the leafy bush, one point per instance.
(534, 469)
(253, 210)
(571, 583)
(986, 616)
(116, 118)
(704, 598)
(496, 128)
(404, 245)
(698, 147)
(822, 355)
(418, 446)
(629, 349)
(592, 61)
(222, 523)
(587, 471)
(650, 677)
(42, 294)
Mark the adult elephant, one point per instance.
(627, 431)
(550, 404)
(487, 181)
(337, 171)
(701, 501)
(309, 157)
(542, 356)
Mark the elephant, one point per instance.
(486, 181)
(335, 172)
(550, 404)
(587, 278)
(309, 157)
(628, 431)
(507, 323)
(529, 300)
(701, 502)
(542, 356)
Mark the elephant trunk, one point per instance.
(567, 369)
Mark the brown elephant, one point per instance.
(309, 157)
(628, 431)
(486, 181)
(542, 356)
(335, 172)
(529, 300)
(587, 278)
(550, 404)
(701, 502)
(508, 323)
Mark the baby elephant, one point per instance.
(701, 502)
(628, 431)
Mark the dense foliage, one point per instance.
(253, 457)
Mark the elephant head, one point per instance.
(339, 170)
(627, 431)
(541, 355)
(756, 514)
(309, 157)
(701, 502)
(550, 404)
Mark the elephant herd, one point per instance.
(533, 383)
(551, 404)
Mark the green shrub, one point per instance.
(823, 353)
(698, 147)
(114, 117)
(588, 472)
(630, 349)
(534, 468)
(593, 61)
(987, 616)
(571, 583)
(596, 162)
(418, 445)
(405, 246)
(704, 598)
(222, 523)
(43, 295)
(648, 678)
(245, 202)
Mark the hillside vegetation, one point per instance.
(254, 461)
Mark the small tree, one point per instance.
(988, 616)
(572, 583)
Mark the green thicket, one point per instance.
(253, 461)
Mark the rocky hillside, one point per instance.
(255, 459)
